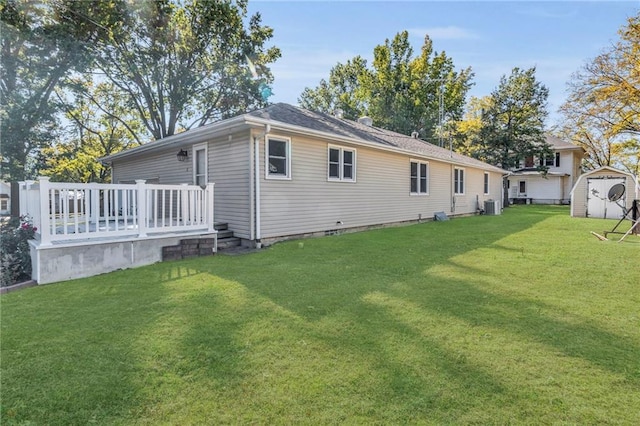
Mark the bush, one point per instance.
(15, 257)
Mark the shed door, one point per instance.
(598, 204)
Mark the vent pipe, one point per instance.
(367, 121)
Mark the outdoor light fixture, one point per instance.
(182, 155)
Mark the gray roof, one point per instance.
(291, 118)
(557, 143)
(328, 124)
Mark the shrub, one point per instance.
(15, 257)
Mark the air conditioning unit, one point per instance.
(491, 207)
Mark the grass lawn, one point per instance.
(523, 318)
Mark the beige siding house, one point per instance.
(528, 185)
(283, 171)
(590, 194)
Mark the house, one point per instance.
(527, 184)
(590, 194)
(5, 198)
(284, 172)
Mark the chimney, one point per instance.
(338, 113)
(367, 121)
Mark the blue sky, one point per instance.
(490, 37)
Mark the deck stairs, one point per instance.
(226, 240)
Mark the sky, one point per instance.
(491, 37)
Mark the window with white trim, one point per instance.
(419, 172)
(341, 164)
(458, 181)
(200, 164)
(278, 157)
(486, 183)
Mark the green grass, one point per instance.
(523, 318)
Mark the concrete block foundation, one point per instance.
(66, 261)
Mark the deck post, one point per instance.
(142, 208)
(209, 211)
(45, 211)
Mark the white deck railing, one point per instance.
(72, 211)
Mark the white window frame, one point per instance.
(341, 150)
(194, 150)
(267, 173)
(458, 188)
(486, 183)
(419, 177)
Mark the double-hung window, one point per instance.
(278, 158)
(458, 181)
(342, 164)
(419, 177)
(486, 183)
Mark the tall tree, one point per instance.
(102, 125)
(41, 43)
(398, 91)
(602, 112)
(467, 132)
(182, 64)
(513, 124)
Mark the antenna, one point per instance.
(440, 108)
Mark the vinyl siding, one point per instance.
(381, 194)
(228, 163)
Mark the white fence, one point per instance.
(72, 211)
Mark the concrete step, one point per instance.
(227, 233)
(226, 243)
(220, 226)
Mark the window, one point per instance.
(557, 159)
(419, 177)
(486, 183)
(200, 164)
(4, 204)
(550, 161)
(342, 164)
(458, 181)
(522, 189)
(278, 158)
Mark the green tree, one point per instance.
(41, 43)
(182, 64)
(467, 132)
(513, 124)
(602, 111)
(101, 125)
(398, 91)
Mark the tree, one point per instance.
(399, 92)
(101, 125)
(513, 125)
(41, 43)
(182, 64)
(602, 112)
(466, 133)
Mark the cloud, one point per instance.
(450, 32)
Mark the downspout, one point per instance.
(453, 189)
(256, 164)
(256, 174)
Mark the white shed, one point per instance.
(589, 196)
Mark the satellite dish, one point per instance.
(616, 192)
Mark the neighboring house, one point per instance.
(284, 171)
(5, 198)
(529, 185)
(590, 194)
